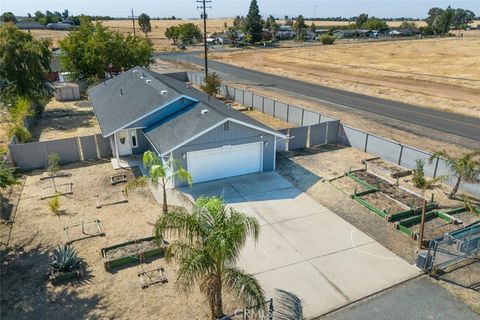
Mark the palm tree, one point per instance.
(160, 173)
(209, 243)
(465, 167)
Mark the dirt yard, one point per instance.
(65, 120)
(26, 293)
(444, 69)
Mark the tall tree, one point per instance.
(144, 23)
(160, 174)
(461, 18)
(253, 23)
(88, 50)
(440, 20)
(463, 168)
(209, 243)
(299, 26)
(360, 20)
(8, 17)
(65, 14)
(23, 62)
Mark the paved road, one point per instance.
(417, 299)
(460, 125)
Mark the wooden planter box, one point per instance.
(136, 257)
(58, 278)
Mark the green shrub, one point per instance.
(54, 204)
(212, 84)
(327, 39)
(419, 180)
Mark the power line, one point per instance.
(204, 17)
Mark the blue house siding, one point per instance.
(235, 135)
(162, 113)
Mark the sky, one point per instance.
(230, 8)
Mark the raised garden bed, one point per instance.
(118, 178)
(83, 230)
(59, 278)
(407, 198)
(384, 203)
(386, 169)
(131, 252)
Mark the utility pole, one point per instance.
(204, 16)
(133, 23)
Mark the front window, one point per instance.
(134, 139)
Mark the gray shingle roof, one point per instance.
(121, 100)
(114, 111)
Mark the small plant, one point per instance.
(419, 180)
(54, 204)
(212, 84)
(53, 167)
(327, 39)
(65, 260)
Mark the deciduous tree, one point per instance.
(144, 23)
(23, 62)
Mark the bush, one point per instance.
(419, 180)
(54, 204)
(212, 84)
(327, 39)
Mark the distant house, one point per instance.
(285, 33)
(345, 34)
(60, 26)
(29, 25)
(404, 32)
(141, 110)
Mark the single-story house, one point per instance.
(141, 110)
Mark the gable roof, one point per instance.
(127, 98)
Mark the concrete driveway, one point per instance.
(304, 248)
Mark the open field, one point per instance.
(435, 73)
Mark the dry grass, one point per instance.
(436, 73)
(99, 294)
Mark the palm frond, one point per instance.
(245, 286)
(139, 182)
(441, 154)
(194, 265)
(288, 306)
(179, 224)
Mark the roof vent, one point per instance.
(135, 71)
(204, 111)
(163, 92)
(121, 92)
(148, 81)
(143, 75)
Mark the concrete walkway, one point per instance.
(305, 248)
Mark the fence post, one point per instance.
(436, 167)
(243, 97)
(319, 118)
(288, 111)
(401, 153)
(326, 133)
(235, 94)
(366, 142)
(274, 107)
(263, 104)
(303, 113)
(252, 101)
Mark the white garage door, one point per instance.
(228, 161)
